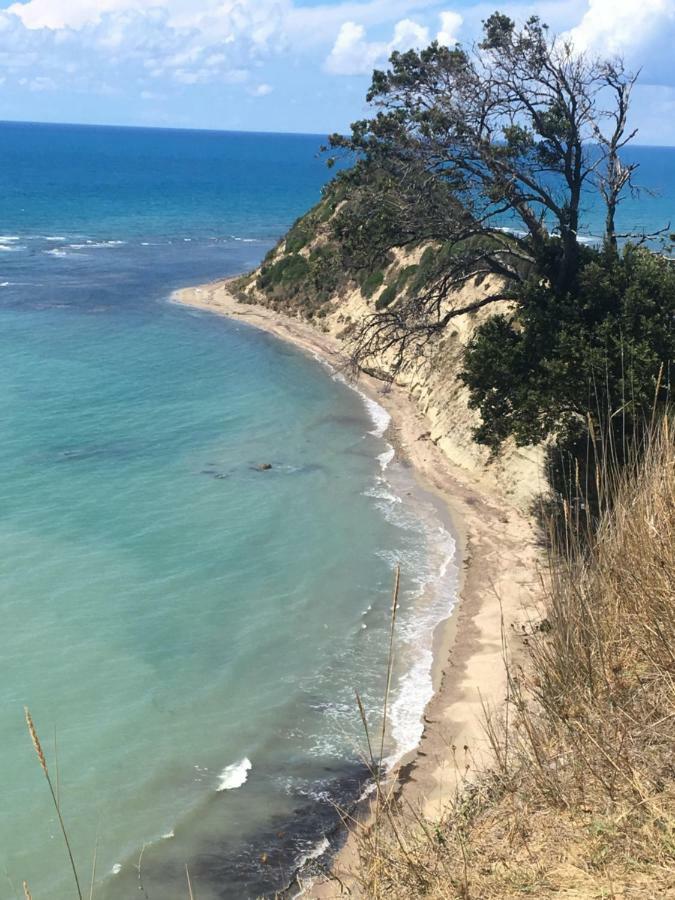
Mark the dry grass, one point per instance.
(37, 746)
(580, 801)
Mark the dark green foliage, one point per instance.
(299, 235)
(335, 193)
(431, 264)
(371, 282)
(381, 213)
(324, 212)
(387, 296)
(325, 271)
(289, 270)
(600, 351)
(405, 275)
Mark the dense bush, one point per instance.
(299, 235)
(371, 282)
(325, 271)
(387, 296)
(289, 270)
(543, 368)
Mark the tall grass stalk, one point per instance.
(43, 765)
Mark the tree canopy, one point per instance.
(494, 150)
(602, 352)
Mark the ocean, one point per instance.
(187, 630)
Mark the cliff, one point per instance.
(311, 277)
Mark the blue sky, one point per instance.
(279, 65)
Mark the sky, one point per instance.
(281, 65)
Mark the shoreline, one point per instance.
(496, 563)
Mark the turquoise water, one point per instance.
(188, 629)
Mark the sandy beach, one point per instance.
(498, 561)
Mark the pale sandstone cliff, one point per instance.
(431, 379)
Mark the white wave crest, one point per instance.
(386, 457)
(318, 850)
(93, 245)
(381, 493)
(379, 415)
(235, 775)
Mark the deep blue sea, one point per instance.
(187, 630)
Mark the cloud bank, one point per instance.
(162, 51)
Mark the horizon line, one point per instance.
(187, 128)
(202, 129)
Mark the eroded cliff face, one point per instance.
(430, 376)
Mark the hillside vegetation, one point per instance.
(311, 271)
(580, 800)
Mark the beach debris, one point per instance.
(214, 473)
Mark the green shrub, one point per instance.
(324, 211)
(287, 271)
(325, 270)
(604, 350)
(371, 282)
(300, 235)
(387, 296)
(405, 275)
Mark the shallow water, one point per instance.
(189, 629)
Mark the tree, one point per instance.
(491, 150)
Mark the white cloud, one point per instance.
(451, 22)
(179, 47)
(409, 34)
(353, 54)
(262, 90)
(171, 40)
(42, 83)
(614, 26)
(190, 41)
(318, 24)
(66, 13)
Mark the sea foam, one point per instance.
(234, 775)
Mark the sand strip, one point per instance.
(498, 560)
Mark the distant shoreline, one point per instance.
(497, 574)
